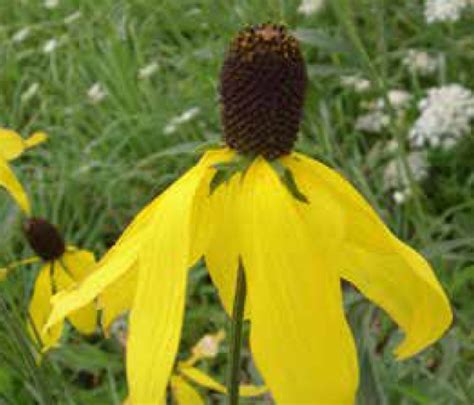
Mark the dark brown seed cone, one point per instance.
(262, 88)
(44, 239)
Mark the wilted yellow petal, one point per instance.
(387, 271)
(158, 307)
(40, 308)
(298, 333)
(183, 393)
(200, 378)
(73, 268)
(9, 181)
(121, 258)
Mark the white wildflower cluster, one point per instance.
(377, 117)
(148, 70)
(397, 179)
(421, 62)
(444, 10)
(308, 7)
(356, 82)
(446, 115)
(175, 122)
(96, 93)
(373, 121)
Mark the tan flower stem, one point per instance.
(233, 380)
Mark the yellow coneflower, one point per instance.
(295, 227)
(63, 267)
(12, 145)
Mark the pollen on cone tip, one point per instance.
(262, 87)
(44, 239)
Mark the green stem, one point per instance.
(233, 381)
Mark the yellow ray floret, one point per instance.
(294, 255)
(12, 145)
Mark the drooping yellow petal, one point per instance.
(184, 393)
(9, 181)
(124, 255)
(222, 254)
(73, 268)
(203, 223)
(40, 308)
(158, 307)
(386, 270)
(118, 297)
(200, 378)
(298, 333)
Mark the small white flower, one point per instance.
(208, 345)
(186, 116)
(421, 62)
(309, 7)
(398, 99)
(444, 10)
(377, 118)
(21, 35)
(148, 70)
(96, 93)
(30, 92)
(373, 121)
(400, 196)
(356, 83)
(50, 45)
(446, 114)
(72, 17)
(50, 4)
(396, 177)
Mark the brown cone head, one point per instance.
(44, 239)
(262, 88)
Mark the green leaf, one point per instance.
(221, 176)
(225, 171)
(288, 180)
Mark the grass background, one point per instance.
(104, 161)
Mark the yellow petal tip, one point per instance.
(36, 138)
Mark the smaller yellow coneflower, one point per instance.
(63, 267)
(12, 145)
